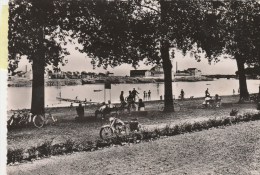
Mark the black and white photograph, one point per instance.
(130, 87)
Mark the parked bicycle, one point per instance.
(176, 105)
(19, 118)
(24, 117)
(40, 120)
(118, 127)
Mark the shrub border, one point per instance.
(47, 149)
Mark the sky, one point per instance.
(80, 62)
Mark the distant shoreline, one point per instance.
(22, 82)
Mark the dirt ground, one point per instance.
(232, 150)
(68, 128)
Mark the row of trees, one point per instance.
(117, 32)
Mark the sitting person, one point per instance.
(141, 105)
(217, 100)
(105, 108)
(80, 111)
(207, 101)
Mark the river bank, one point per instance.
(23, 82)
(68, 128)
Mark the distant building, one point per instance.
(189, 72)
(182, 73)
(194, 72)
(157, 71)
(140, 73)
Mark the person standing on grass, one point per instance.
(134, 94)
(207, 93)
(144, 95)
(182, 94)
(234, 91)
(122, 99)
(80, 111)
(149, 95)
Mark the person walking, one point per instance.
(149, 95)
(130, 101)
(182, 94)
(134, 93)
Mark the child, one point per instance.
(141, 105)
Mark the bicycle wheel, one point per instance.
(38, 121)
(54, 119)
(106, 132)
(177, 107)
(161, 106)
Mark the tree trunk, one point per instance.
(37, 104)
(242, 80)
(167, 65)
(38, 65)
(167, 68)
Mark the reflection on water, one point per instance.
(21, 97)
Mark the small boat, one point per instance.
(207, 84)
(97, 90)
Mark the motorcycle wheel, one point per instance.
(106, 132)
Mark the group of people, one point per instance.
(147, 95)
(130, 100)
(208, 99)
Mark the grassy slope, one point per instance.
(68, 128)
(230, 150)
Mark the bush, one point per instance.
(33, 153)
(58, 149)
(45, 149)
(69, 145)
(15, 155)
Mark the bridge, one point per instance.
(217, 76)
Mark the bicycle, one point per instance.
(24, 117)
(39, 120)
(19, 118)
(177, 106)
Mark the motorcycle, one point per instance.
(118, 127)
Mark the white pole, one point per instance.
(104, 92)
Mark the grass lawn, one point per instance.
(89, 130)
(229, 150)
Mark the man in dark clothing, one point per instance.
(122, 99)
(149, 95)
(134, 93)
(182, 94)
(80, 111)
(140, 105)
(207, 93)
(130, 101)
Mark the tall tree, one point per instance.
(33, 32)
(242, 22)
(117, 32)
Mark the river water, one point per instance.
(20, 97)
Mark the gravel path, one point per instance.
(231, 150)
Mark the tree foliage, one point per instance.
(29, 18)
